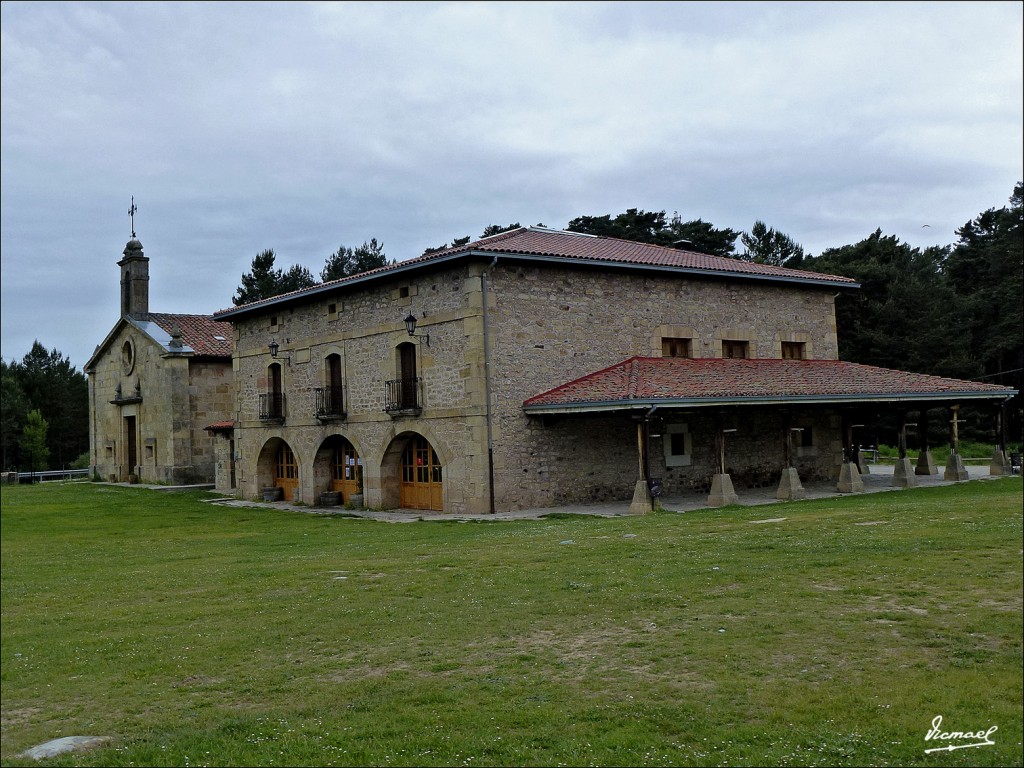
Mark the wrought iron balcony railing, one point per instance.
(272, 406)
(402, 395)
(329, 403)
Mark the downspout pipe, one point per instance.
(487, 386)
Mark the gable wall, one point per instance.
(365, 332)
(551, 325)
(547, 325)
(171, 444)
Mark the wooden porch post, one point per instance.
(722, 492)
(1000, 465)
(954, 464)
(925, 463)
(849, 476)
(790, 486)
(902, 473)
(642, 502)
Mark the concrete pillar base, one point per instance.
(865, 468)
(722, 493)
(1000, 464)
(642, 503)
(849, 479)
(790, 487)
(955, 468)
(903, 474)
(925, 464)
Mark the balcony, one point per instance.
(329, 404)
(401, 397)
(272, 406)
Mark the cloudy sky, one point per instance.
(304, 126)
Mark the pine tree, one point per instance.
(33, 442)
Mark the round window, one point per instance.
(127, 357)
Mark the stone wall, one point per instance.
(170, 402)
(551, 325)
(547, 325)
(365, 328)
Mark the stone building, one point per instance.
(155, 382)
(540, 367)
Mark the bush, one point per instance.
(82, 462)
(969, 449)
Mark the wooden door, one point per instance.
(286, 472)
(346, 471)
(131, 444)
(421, 486)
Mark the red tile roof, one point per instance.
(644, 381)
(221, 426)
(546, 244)
(205, 335)
(538, 241)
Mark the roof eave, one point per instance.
(706, 402)
(415, 264)
(317, 290)
(696, 271)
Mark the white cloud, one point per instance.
(302, 126)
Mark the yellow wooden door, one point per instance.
(286, 472)
(421, 486)
(346, 471)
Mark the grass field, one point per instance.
(197, 634)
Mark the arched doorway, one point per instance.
(346, 469)
(421, 485)
(286, 471)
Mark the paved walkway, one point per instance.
(879, 480)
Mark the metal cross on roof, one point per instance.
(131, 212)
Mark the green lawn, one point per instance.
(196, 634)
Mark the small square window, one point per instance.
(793, 350)
(805, 442)
(403, 292)
(735, 349)
(674, 347)
(678, 447)
(332, 309)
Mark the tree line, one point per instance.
(954, 310)
(44, 412)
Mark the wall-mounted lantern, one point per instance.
(274, 347)
(410, 326)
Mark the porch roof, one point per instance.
(667, 382)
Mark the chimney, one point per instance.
(134, 282)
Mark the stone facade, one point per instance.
(166, 398)
(155, 382)
(545, 324)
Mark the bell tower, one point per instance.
(134, 277)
